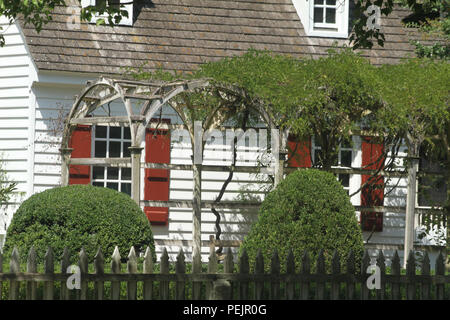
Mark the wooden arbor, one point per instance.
(104, 91)
(151, 97)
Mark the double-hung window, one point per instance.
(344, 160)
(432, 188)
(324, 18)
(328, 18)
(112, 142)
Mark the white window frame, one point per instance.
(122, 140)
(305, 10)
(418, 184)
(126, 21)
(354, 182)
(337, 29)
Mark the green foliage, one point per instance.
(325, 98)
(431, 18)
(342, 85)
(328, 98)
(6, 188)
(416, 95)
(78, 216)
(363, 37)
(437, 50)
(39, 12)
(309, 210)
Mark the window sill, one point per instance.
(327, 34)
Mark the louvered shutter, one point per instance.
(80, 141)
(157, 181)
(299, 152)
(373, 193)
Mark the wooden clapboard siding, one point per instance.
(51, 104)
(16, 72)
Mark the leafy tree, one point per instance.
(327, 98)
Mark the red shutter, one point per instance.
(156, 188)
(299, 152)
(81, 143)
(373, 193)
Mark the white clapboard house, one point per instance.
(40, 73)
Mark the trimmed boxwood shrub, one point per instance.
(78, 216)
(309, 210)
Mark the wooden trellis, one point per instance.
(153, 96)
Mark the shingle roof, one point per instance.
(181, 34)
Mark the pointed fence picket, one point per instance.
(99, 266)
(148, 269)
(305, 272)
(65, 264)
(31, 268)
(115, 269)
(329, 276)
(83, 264)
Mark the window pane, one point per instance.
(318, 1)
(318, 15)
(127, 133)
(345, 180)
(115, 132)
(432, 191)
(331, 15)
(346, 158)
(331, 2)
(126, 151)
(100, 149)
(318, 157)
(432, 188)
(126, 188)
(126, 173)
(97, 184)
(113, 173)
(113, 185)
(100, 131)
(114, 149)
(99, 172)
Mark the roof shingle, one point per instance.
(180, 35)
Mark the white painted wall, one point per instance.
(16, 74)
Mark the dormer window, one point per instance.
(126, 5)
(324, 18)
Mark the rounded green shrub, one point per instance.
(76, 217)
(309, 210)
